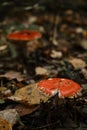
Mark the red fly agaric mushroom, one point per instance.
(24, 36)
(64, 87)
(68, 88)
(49, 86)
(42, 91)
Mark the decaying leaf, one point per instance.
(29, 95)
(77, 63)
(13, 74)
(83, 44)
(2, 101)
(41, 71)
(3, 47)
(24, 110)
(5, 125)
(82, 110)
(56, 54)
(5, 92)
(10, 115)
(84, 72)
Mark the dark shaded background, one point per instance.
(8, 6)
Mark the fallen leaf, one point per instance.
(77, 63)
(84, 72)
(3, 47)
(24, 110)
(4, 92)
(13, 74)
(2, 101)
(79, 30)
(56, 54)
(29, 95)
(41, 71)
(5, 125)
(69, 12)
(9, 115)
(83, 44)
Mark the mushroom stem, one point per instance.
(12, 49)
(22, 49)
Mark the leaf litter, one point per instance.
(61, 53)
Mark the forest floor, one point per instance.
(61, 52)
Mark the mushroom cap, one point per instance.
(68, 88)
(24, 35)
(64, 87)
(49, 86)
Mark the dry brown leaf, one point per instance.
(56, 54)
(3, 47)
(41, 71)
(77, 63)
(13, 74)
(69, 12)
(20, 85)
(5, 125)
(85, 34)
(83, 44)
(24, 110)
(29, 95)
(9, 115)
(84, 72)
